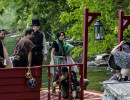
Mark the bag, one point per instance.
(16, 57)
(31, 82)
(112, 64)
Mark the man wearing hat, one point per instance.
(39, 41)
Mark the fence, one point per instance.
(59, 73)
(13, 83)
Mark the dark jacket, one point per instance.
(1, 51)
(65, 82)
(38, 41)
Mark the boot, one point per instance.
(73, 98)
(54, 92)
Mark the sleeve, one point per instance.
(54, 45)
(56, 79)
(115, 51)
(29, 45)
(122, 59)
(44, 45)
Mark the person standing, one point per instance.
(39, 41)
(4, 57)
(22, 52)
(60, 54)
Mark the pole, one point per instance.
(85, 42)
(87, 23)
(120, 29)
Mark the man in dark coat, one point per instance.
(39, 41)
(4, 57)
(2, 34)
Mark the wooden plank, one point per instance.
(21, 96)
(18, 72)
(16, 80)
(18, 88)
(13, 84)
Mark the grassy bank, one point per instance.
(95, 75)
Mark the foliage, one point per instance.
(66, 15)
(109, 17)
(7, 17)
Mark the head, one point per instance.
(60, 35)
(29, 33)
(64, 70)
(2, 33)
(126, 47)
(36, 24)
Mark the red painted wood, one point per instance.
(18, 72)
(15, 80)
(87, 23)
(127, 17)
(18, 88)
(122, 26)
(120, 30)
(20, 96)
(59, 73)
(81, 96)
(85, 42)
(49, 83)
(69, 82)
(93, 17)
(13, 84)
(125, 24)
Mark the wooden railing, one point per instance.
(59, 73)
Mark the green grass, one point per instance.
(10, 43)
(94, 75)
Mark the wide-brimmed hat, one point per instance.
(35, 22)
(112, 64)
(64, 70)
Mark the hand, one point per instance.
(45, 58)
(29, 65)
(52, 63)
(2, 61)
(54, 84)
(121, 43)
(64, 77)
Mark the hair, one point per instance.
(126, 48)
(28, 31)
(59, 33)
(2, 30)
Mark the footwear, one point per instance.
(54, 92)
(73, 98)
(120, 77)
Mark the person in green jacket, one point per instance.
(59, 53)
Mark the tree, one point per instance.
(67, 15)
(109, 17)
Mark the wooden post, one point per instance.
(59, 73)
(120, 34)
(48, 83)
(122, 26)
(87, 23)
(69, 82)
(85, 42)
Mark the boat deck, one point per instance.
(88, 95)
